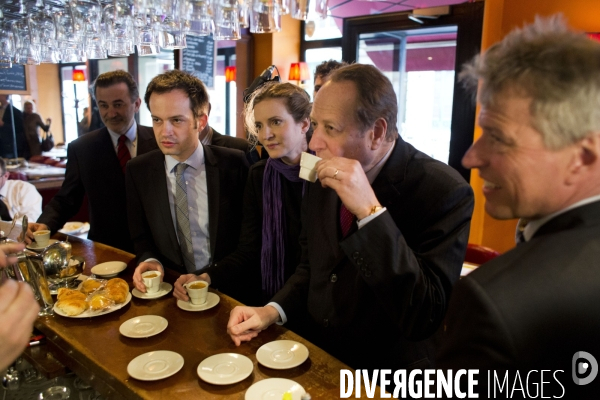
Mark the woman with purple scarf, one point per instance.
(268, 252)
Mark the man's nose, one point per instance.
(472, 158)
(316, 142)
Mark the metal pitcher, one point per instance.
(51, 265)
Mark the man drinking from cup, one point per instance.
(384, 234)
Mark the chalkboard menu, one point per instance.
(13, 79)
(198, 58)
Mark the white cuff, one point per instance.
(370, 218)
(280, 311)
(155, 260)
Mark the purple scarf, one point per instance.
(273, 229)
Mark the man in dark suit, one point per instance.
(8, 114)
(208, 136)
(184, 200)
(96, 163)
(372, 292)
(536, 307)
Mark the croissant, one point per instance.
(91, 285)
(64, 293)
(116, 293)
(72, 306)
(118, 282)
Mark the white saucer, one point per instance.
(274, 388)
(282, 354)
(35, 247)
(155, 365)
(225, 369)
(109, 269)
(143, 326)
(211, 300)
(72, 227)
(164, 289)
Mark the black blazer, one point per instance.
(93, 169)
(152, 227)
(373, 297)
(534, 306)
(230, 142)
(252, 154)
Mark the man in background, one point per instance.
(184, 200)
(18, 197)
(8, 114)
(384, 235)
(208, 136)
(31, 122)
(322, 72)
(96, 165)
(535, 308)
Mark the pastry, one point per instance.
(91, 285)
(116, 293)
(99, 301)
(64, 293)
(72, 306)
(119, 283)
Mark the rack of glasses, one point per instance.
(52, 31)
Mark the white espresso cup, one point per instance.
(308, 170)
(151, 281)
(42, 238)
(197, 291)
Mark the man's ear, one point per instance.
(138, 103)
(586, 156)
(378, 133)
(202, 122)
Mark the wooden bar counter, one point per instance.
(95, 350)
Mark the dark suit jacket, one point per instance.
(6, 134)
(230, 142)
(534, 306)
(152, 227)
(93, 169)
(374, 296)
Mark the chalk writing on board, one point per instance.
(13, 78)
(199, 58)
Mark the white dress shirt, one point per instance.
(23, 198)
(197, 195)
(131, 143)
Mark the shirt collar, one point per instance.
(131, 133)
(4, 189)
(532, 226)
(207, 140)
(373, 172)
(196, 160)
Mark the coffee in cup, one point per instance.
(308, 170)
(151, 281)
(42, 238)
(197, 291)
